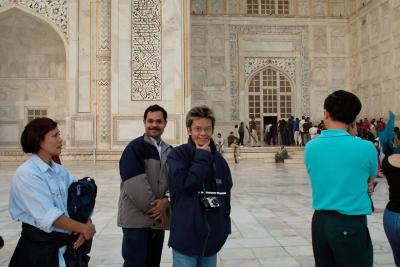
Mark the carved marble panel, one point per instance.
(146, 50)
(302, 44)
(386, 25)
(320, 7)
(397, 62)
(336, 8)
(338, 39)
(320, 39)
(198, 73)
(216, 41)
(364, 32)
(338, 72)
(233, 7)
(373, 21)
(355, 70)
(54, 10)
(284, 64)
(216, 75)
(374, 67)
(199, 7)
(364, 65)
(320, 72)
(303, 7)
(354, 36)
(216, 7)
(387, 64)
(198, 39)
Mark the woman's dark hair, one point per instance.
(343, 106)
(33, 134)
(155, 108)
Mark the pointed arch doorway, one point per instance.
(269, 98)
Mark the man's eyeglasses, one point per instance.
(200, 129)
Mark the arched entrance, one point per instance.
(269, 97)
(33, 69)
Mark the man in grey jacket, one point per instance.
(143, 207)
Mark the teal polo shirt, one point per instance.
(339, 166)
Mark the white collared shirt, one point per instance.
(159, 146)
(39, 194)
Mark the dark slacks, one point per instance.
(241, 137)
(142, 247)
(341, 240)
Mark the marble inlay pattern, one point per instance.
(103, 60)
(287, 65)
(146, 50)
(54, 10)
(236, 30)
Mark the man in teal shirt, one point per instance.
(341, 169)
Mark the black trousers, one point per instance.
(241, 137)
(142, 247)
(341, 240)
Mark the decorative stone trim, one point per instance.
(287, 65)
(54, 10)
(103, 62)
(146, 50)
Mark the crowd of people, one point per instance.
(187, 189)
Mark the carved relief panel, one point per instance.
(373, 21)
(320, 72)
(146, 50)
(216, 7)
(338, 72)
(216, 40)
(338, 39)
(216, 75)
(320, 7)
(303, 7)
(198, 39)
(199, 7)
(320, 39)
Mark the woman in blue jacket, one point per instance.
(200, 183)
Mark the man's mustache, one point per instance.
(155, 128)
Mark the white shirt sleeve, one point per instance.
(31, 198)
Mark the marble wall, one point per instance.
(32, 72)
(127, 105)
(307, 8)
(375, 56)
(224, 49)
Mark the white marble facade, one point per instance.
(96, 65)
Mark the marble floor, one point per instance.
(271, 213)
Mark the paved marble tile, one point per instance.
(271, 215)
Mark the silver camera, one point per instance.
(210, 203)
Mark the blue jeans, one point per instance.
(142, 247)
(182, 260)
(391, 224)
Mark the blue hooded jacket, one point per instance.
(192, 171)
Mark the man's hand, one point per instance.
(371, 186)
(206, 146)
(158, 210)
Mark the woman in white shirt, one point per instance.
(38, 199)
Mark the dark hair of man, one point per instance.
(343, 106)
(155, 108)
(200, 112)
(33, 134)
